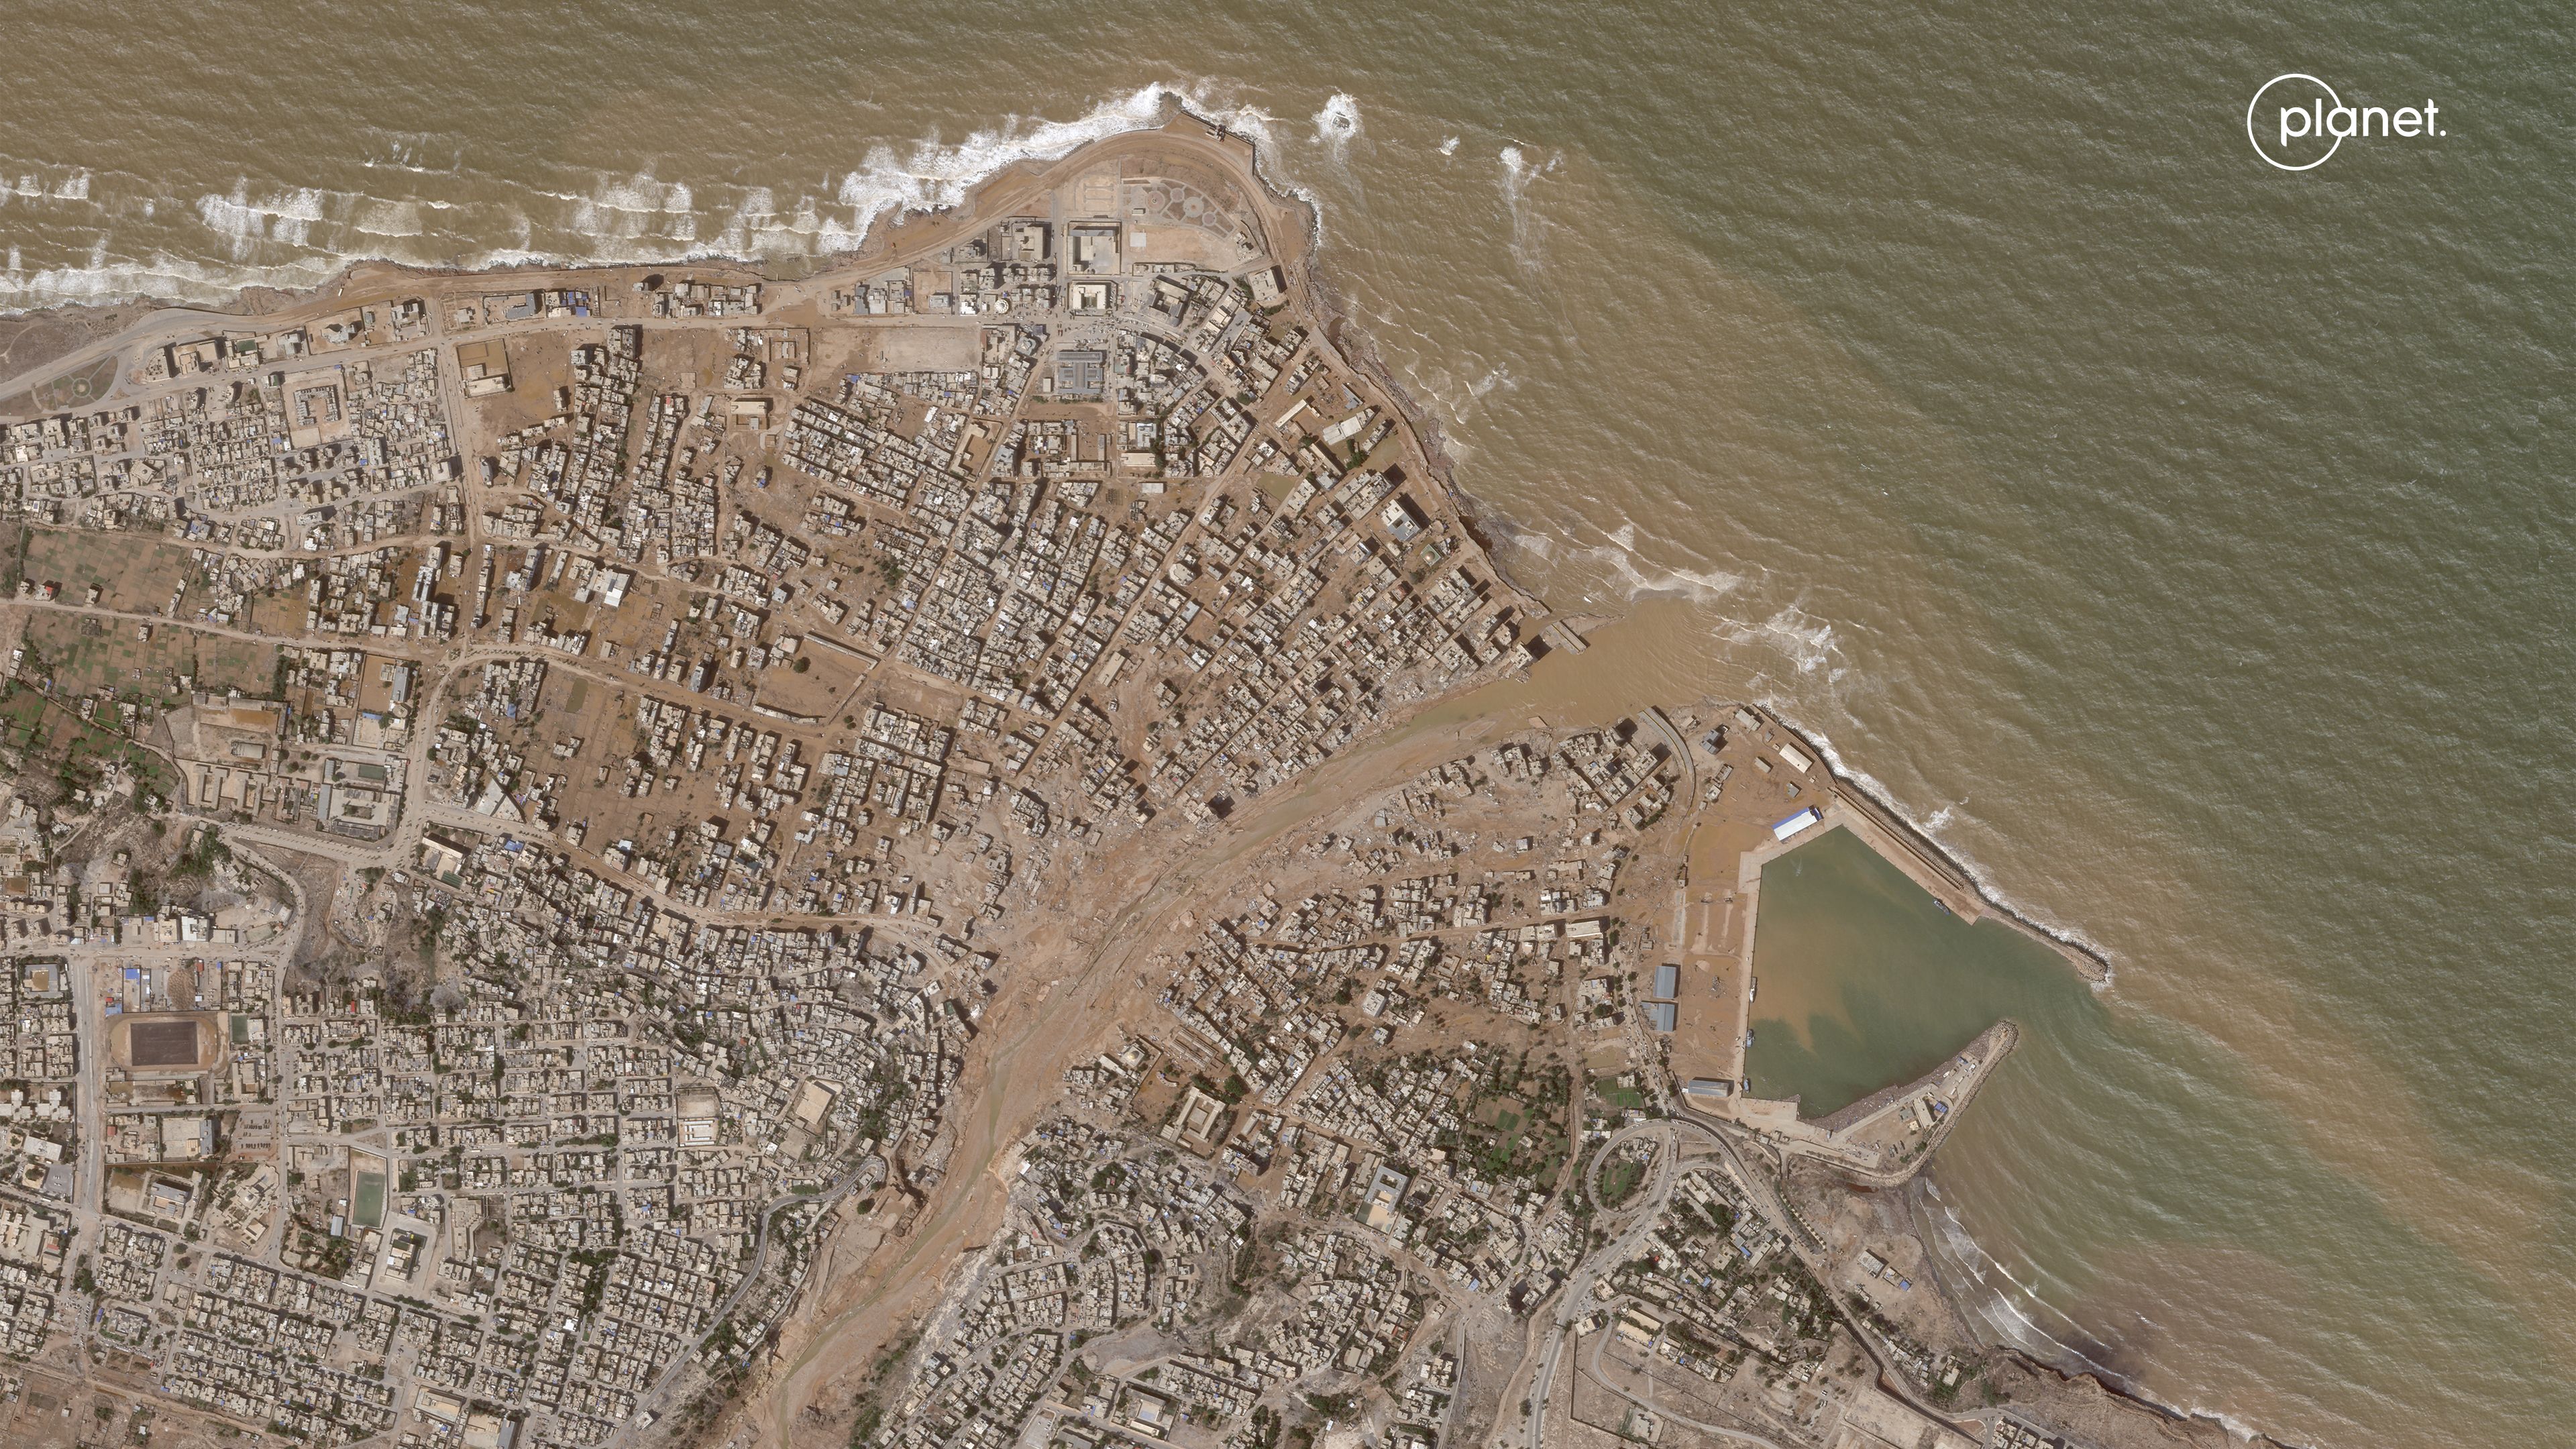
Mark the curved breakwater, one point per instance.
(2178, 544)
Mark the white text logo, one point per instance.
(2297, 122)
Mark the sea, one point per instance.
(2183, 542)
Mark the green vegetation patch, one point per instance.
(367, 1204)
(1621, 1179)
(1622, 1098)
(77, 388)
(60, 743)
(84, 654)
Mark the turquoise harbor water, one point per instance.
(2185, 543)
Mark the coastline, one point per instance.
(2113, 1384)
(1892, 834)
(1851, 804)
(1990, 1047)
(1912, 847)
(1878, 822)
(1172, 105)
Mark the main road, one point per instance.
(1595, 1265)
(1668, 1136)
(90, 1022)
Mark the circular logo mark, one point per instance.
(2281, 145)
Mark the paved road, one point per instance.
(1286, 232)
(159, 325)
(1682, 752)
(1775, 1211)
(1669, 1135)
(87, 971)
(61, 606)
(1577, 1297)
(90, 1021)
(1766, 1198)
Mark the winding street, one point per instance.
(654, 1400)
(1668, 1135)
(1574, 1301)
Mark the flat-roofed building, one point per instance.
(1080, 374)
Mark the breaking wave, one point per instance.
(1337, 124)
(1528, 228)
(2005, 1313)
(102, 280)
(2003, 1309)
(1639, 578)
(68, 184)
(1796, 631)
(299, 236)
(285, 217)
(390, 218)
(1805, 641)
